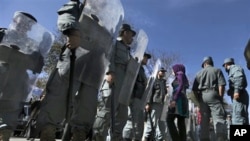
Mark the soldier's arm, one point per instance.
(195, 88)
(237, 79)
(221, 90)
(221, 83)
(110, 71)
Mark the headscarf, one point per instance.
(179, 71)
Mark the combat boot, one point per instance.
(48, 133)
(5, 134)
(79, 135)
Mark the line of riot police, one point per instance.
(99, 89)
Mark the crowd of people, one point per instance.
(84, 90)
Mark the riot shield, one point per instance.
(148, 90)
(247, 54)
(22, 52)
(99, 24)
(167, 99)
(133, 68)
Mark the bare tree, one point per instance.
(167, 60)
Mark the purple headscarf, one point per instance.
(179, 71)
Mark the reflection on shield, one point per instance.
(99, 24)
(133, 68)
(22, 53)
(148, 91)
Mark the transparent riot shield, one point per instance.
(99, 24)
(247, 54)
(148, 90)
(133, 68)
(22, 52)
(167, 98)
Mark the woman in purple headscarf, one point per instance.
(178, 107)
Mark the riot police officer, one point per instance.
(20, 58)
(209, 87)
(155, 128)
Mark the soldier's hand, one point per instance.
(236, 96)
(73, 39)
(147, 108)
(110, 78)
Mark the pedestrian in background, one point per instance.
(197, 122)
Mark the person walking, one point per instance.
(209, 86)
(135, 123)
(178, 107)
(76, 95)
(20, 57)
(237, 91)
(155, 128)
(112, 113)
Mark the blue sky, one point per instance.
(191, 28)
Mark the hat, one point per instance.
(228, 60)
(162, 69)
(207, 58)
(26, 14)
(126, 27)
(147, 55)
